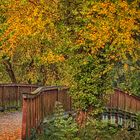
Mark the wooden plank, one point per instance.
(1, 97)
(24, 119)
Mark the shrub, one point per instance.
(62, 126)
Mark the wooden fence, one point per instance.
(11, 95)
(39, 104)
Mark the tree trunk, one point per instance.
(9, 70)
(82, 116)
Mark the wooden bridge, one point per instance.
(38, 102)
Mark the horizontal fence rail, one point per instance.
(120, 117)
(11, 95)
(39, 104)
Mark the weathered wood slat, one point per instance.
(11, 95)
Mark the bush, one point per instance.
(61, 126)
(64, 127)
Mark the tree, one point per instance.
(89, 37)
(102, 33)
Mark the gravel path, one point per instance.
(10, 125)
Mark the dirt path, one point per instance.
(10, 125)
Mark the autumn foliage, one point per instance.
(112, 27)
(76, 43)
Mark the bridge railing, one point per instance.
(39, 104)
(124, 101)
(11, 95)
(122, 107)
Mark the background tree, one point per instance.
(28, 39)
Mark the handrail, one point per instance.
(37, 92)
(19, 84)
(132, 95)
(41, 89)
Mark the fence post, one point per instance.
(3, 98)
(24, 119)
